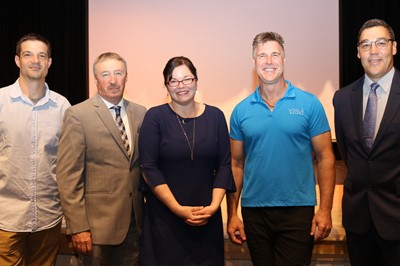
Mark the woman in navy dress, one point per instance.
(186, 163)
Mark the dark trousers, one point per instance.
(279, 236)
(371, 250)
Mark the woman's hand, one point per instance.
(194, 215)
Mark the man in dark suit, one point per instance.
(367, 122)
(98, 171)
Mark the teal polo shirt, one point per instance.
(279, 167)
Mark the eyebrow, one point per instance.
(379, 38)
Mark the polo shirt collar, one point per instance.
(290, 93)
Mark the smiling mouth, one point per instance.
(182, 92)
(269, 67)
(374, 60)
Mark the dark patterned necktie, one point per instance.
(121, 128)
(369, 122)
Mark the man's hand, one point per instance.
(321, 225)
(236, 230)
(82, 242)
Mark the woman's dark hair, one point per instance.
(175, 62)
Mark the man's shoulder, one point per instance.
(81, 108)
(246, 101)
(302, 94)
(58, 97)
(5, 90)
(7, 87)
(135, 106)
(357, 84)
(83, 104)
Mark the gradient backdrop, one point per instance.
(217, 37)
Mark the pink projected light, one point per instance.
(217, 37)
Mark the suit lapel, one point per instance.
(357, 108)
(109, 122)
(129, 107)
(392, 106)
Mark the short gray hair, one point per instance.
(108, 55)
(264, 37)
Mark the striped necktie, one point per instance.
(121, 128)
(369, 122)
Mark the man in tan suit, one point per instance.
(98, 171)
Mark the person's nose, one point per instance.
(268, 60)
(374, 49)
(35, 59)
(181, 85)
(112, 78)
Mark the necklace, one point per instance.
(191, 146)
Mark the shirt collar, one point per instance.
(290, 93)
(16, 92)
(110, 105)
(385, 82)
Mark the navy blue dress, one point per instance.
(165, 157)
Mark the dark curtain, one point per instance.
(65, 24)
(352, 14)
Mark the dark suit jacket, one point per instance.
(372, 186)
(97, 182)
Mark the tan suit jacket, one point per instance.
(97, 182)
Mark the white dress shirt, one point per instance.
(29, 135)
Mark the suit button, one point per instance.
(130, 194)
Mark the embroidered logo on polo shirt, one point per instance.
(295, 111)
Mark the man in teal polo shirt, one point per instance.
(274, 134)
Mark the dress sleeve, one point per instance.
(223, 176)
(149, 149)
